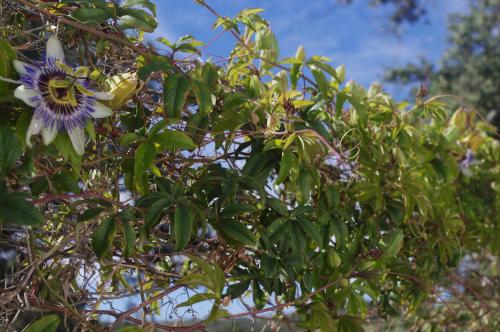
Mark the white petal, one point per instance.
(49, 134)
(77, 137)
(25, 95)
(102, 95)
(101, 111)
(54, 49)
(33, 129)
(21, 67)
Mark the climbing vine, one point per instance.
(145, 171)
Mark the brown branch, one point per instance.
(65, 197)
(462, 282)
(138, 307)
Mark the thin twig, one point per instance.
(242, 42)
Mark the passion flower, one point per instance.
(61, 97)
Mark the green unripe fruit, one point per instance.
(343, 282)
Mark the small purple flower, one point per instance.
(60, 96)
(467, 162)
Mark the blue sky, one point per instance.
(356, 35)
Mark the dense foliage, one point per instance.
(252, 176)
(469, 69)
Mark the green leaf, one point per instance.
(237, 289)
(395, 243)
(90, 214)
(356, 95)
(48, 323)
(341, 233)
(90, 130)
(10, 150)
(92, 15)
(285, 166)
(183, 226)
(234, 100)
(250, 11)
(297, 239)
(129, 239)
(203, 97)
(210, 75)
(213, 272)
(277, 205)
(129, 138)
(266, 40)
(165, 41)
(140, 3)
(214, 313)
(341, 98)
(319, 62)
(311, 230)
(63, 144)
(277, 228)
(303, 189)
(103, 237)
(197, 127)
(320, 316)
(237, 209)
(294, 75)
(66, 181)
(174, 140)
(237, 231)
(187, 48)
(144, 157)
(7, 55)
(156, 64)
(22, 125)
(297, 66)
(258, 295)
(154, 212)
(340, 73)
(137, 18)
(176, 90)
(202, 264)
(15, 209)
(346, 323)
(157, 127)
(187, 44)
(319, 77)
(333, 258)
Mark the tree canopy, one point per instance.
(148, 170)
(470, 67)
(403, 11)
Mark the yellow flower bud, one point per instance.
(122, 87)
